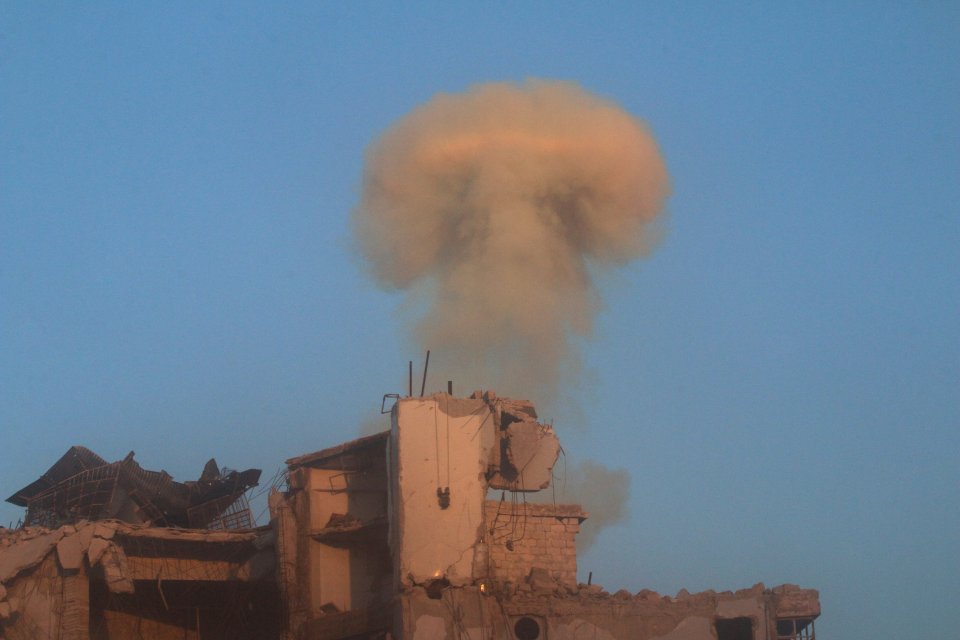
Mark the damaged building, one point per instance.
(112, 550)
(83, 486)
(393, 535)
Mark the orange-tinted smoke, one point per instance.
(494, 208)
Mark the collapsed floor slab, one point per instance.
(110, 579)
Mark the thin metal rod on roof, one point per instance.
(426, 365)
(410, 378)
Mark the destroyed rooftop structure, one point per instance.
(83, 486)
(388, 536)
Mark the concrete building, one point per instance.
(393, 534)
(387, 536)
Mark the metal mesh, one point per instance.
(86, 495)
(223, 513)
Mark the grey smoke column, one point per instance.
(492, 208)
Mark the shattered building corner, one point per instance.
(387, 536)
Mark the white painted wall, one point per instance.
(439, 441)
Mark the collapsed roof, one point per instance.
(83, 486)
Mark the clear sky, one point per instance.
(781, 377)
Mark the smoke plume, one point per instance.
(604, 493)
(495, 209)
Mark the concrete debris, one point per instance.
(541, 580)
(114, 563)
(70, 549)
(528, 450)
(328, 609)
(104, 530)
(796, 602)
(26, 550)
(98, 546)
(531, 451)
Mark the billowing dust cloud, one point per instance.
(495, 209)
(604, 493)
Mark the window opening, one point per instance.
(795, 629)
(526, 628)
(734, 629)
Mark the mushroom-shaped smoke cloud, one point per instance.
(496, 207)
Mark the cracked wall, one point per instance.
(445, 453)
(440, 450)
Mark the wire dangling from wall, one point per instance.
(443, 490)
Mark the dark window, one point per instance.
(735, 629)
(795, 629)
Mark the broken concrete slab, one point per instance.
(104, 530)
(793, 601)
(531, 450)
(70, 552)
(27, 553)
(96, 549)
(527, 450)
(114, 563)
(541, 580)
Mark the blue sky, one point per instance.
(781, 377)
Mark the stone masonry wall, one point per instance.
(521, 537)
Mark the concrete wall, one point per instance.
(590, 614)
(36, 604)
(439, 442)
(291, 573)
(333, 553)
(330, 565)
(523, 536)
